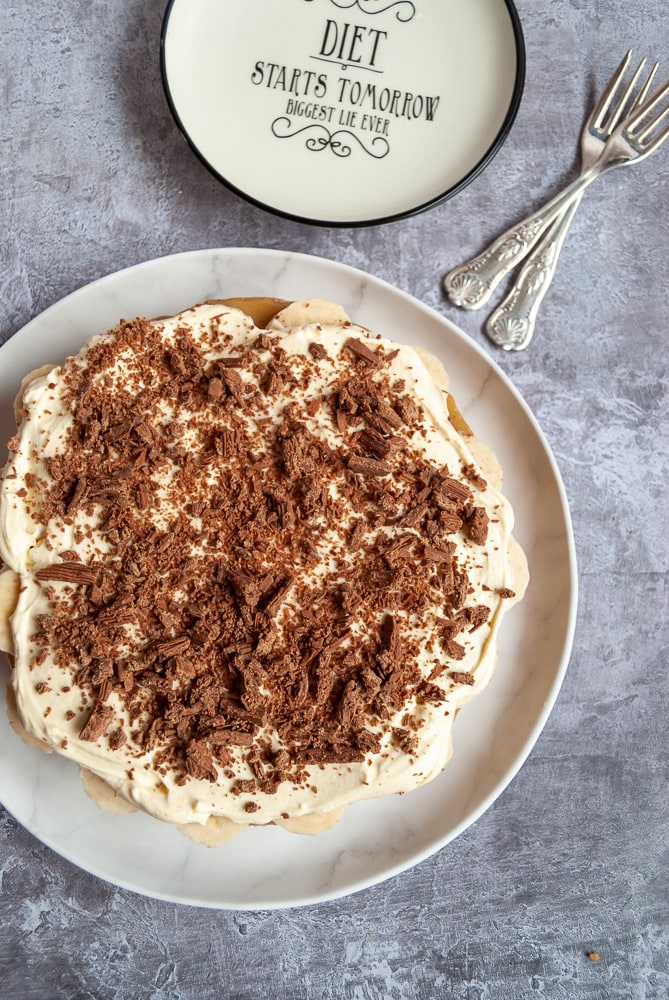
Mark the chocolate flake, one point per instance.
(279, 595)
(172, 647)
(436, 555)
(332, 755)
(473, 474)
(199, 762)
(67, 572)
(318, 352)
(388, 414)
(450, 523)
(477, 616)
(450, 491)
(414, 516)
(234, 383)
(478, 526)
(406, 740)
(363, 352)
(356, 537)
(118, 739)
(407, 409)
(97, 723)
(373, 442)
(245, 785)
(215, 389)
(390, 636)
(231, 737)
(462, 678)
(342, 424)
(369, 466)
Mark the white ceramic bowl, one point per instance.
(268, 867)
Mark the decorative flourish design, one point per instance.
(318, 138)
(528, 230)
(510, 248)
(508, 331)
(405, 13)
(518, 241)
(465, 289)
(535, 276)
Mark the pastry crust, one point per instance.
(9, 595)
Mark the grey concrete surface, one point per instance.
(573, 856)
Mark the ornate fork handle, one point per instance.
(471, 285)
(511, 325)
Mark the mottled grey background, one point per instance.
(573, 856)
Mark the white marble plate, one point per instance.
(343, 112)
(268, 867)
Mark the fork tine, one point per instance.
(641, 96)
(659, 139)
(656, 141)
(604, 103)
(621, 106)
(643, 136)
(644, 111)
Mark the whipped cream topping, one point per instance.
(260, 569)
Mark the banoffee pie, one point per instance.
(255, 562)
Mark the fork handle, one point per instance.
(471, 285)
(511, 325)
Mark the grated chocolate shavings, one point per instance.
(406, 740)
(472, 473)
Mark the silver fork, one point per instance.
(511, 326)
(471, 285)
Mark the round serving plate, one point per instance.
(267, 867)
(343, 112)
